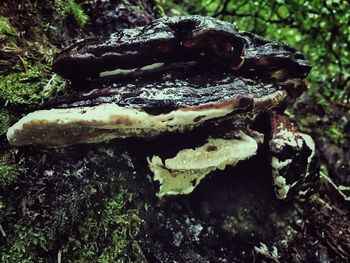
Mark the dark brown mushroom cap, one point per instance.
(182, 39)
(273, 58)
(164, 40)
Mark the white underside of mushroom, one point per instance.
(117, 72)
(104, 122)
(181, 174)
(58, 127)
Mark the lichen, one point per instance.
(268, 253)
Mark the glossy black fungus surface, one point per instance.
(266, 57)
(165, 95)
(167, 40)
(182, 39)
(204, 60)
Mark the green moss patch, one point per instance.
(29, 87)
(67, 8)
(23, 250)
(9, 172)
(6, 27)
(26, 78)
(107, 235)
(4, 121)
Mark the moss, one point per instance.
(307, 124)
(23, 250)
(6, 27)
(9, 175)
(107, 235)
(9, 172)
(79, 210)
(4, 121)
(29, 80)
(29, 87)
(40, 52)
(67, 8)
(77, 12)
(332, 131)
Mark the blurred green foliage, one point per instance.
(320, 29)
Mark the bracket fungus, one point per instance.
(174, 75)
(181, 174)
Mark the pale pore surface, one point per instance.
(104, 122)
(59, 127)
(181, 174)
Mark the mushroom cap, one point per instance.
(182, 38)
(179, 38)
(89, 124)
